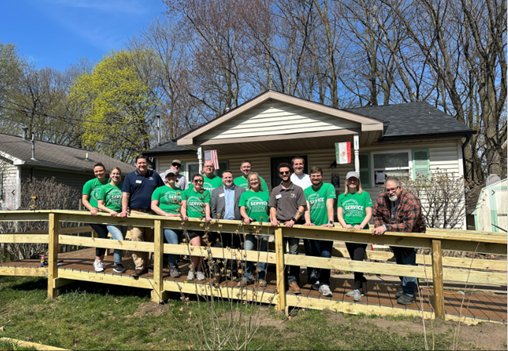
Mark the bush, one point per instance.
(37, 194)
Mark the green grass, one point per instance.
(94, 316)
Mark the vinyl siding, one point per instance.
(10, 186)
(276, 118)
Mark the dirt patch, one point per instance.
(150, 309)
(484, 336)
(261, 317)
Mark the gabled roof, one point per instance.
(365, 123)
(48, 155)
(413, 119)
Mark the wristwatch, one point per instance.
(293, 219)
(330, 222)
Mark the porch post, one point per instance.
(199, 152)
(356, 146)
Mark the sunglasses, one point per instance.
(284, 173)
(176, 165)
(197, 181)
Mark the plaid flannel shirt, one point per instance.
(408, 215)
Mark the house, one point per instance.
(22, 159)
(404, 140)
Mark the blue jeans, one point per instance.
(320, 248)
(406, 256)
(172, 237)
(293, 272)
(251, 243)
(117, 234)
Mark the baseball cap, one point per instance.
(176, 162)
(169, 172)
(352, 174)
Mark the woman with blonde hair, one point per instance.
(354, 210)
(254, 208)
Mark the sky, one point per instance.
(61, 33)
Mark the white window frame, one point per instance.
(409, 167)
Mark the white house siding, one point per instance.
(10, 186)
(276, 118)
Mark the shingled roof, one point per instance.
(413, 119)
(54, 156)
(170, 147)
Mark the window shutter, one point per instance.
(365, 170)
(421, 163)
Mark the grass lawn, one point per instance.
(95, 316)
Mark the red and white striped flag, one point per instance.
(211, 155)
(343, 152)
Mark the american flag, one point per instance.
(212, 155)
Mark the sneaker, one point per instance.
(294, 288)
(200, 275)
(316, 285)
(406, 299)
(139, 271)
(351, 293)
(325, 290)
(174, 272)
(118, 268)
(262, 283)
(399, 293)
(98, 265)
(357, 295)
(190, 275)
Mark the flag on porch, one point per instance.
(343, 152)
(211, 155)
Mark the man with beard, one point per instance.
(320, 198)
(397, 210)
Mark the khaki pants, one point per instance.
(140, 259)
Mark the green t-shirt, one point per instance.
(353, 206)
(210, 183)
(256, 204)
(242, 181)
(169, 198)
(196, 202)
(317, 202)
(112, 196)
(92, 188)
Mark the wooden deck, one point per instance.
(484, 304)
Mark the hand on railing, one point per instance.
(379, 230)
(274, 222)
(123, 214)
(94, 211)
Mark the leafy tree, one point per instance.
(116, 105)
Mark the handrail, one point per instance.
(437, 240)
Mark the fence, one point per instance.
(463, 270)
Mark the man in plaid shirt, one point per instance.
(397, 210)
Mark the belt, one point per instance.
(140, 210)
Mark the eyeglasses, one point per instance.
(389, 190)
(198, 181)
(284, 173)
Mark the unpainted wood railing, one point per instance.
(464, 270)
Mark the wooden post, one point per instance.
(279, 259)
(158, 263)
(54, 230)
(437, 275)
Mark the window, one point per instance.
(191, 168)
(421, 163)
(395, 164)
(365, 170)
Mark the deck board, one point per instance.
(485, 305)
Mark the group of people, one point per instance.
(300, 198)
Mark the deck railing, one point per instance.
(466, 271)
